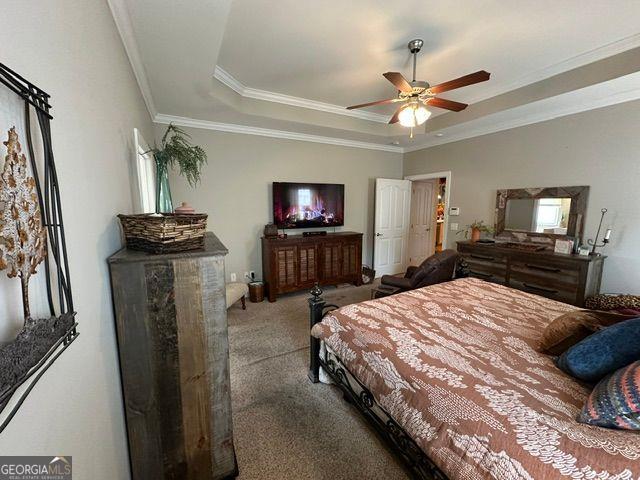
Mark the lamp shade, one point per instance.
(413, 114)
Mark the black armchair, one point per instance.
(437, 268)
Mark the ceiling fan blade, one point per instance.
(470, 79)
(446, 104)
(399, 81)
(395, 118)
(378, 102)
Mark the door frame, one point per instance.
(447, 196)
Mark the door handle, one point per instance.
(378, 234)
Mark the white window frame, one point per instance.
(146, 173)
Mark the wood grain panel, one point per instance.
(214, 309)
(137, 372)
(164, 336)
(192, 348)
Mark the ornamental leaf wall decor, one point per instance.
(32, 238)
(22, 237)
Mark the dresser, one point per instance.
(171, 327)
(297, 262)
(566, 278)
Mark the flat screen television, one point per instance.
(308, 205)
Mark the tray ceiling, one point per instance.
(297, 64)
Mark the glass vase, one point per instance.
(164, 203)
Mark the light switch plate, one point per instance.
(233, 277)
(453, 226)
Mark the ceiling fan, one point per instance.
(416, 95)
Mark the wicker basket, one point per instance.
(169, 233)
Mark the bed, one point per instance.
(451, 378)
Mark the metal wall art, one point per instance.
(32, 243)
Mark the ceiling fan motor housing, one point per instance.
(415, 45)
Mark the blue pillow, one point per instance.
(603, 352)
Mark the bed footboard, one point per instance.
(418, 465)
(318, 308)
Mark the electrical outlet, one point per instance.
(246, 276)
(233, 277)
(453, 226)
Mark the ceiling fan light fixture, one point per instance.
(413, 114)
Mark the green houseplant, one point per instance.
(476, 228)
(175, 149)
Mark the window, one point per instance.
(304, 197)
(146, 169)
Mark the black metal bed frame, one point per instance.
(56, 272)
(417, 463)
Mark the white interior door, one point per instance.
(422, 242)
(393, 204)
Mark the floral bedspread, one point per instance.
(456, 366)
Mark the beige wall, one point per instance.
(236, 186)
(71, 49)
(599, 148)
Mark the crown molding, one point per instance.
(123, 23)
(230, 81)
(571, 63)
(267, 132)
(582, 103)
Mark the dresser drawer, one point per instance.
(491, 272)
(480, 254)
(489, 266)
(554, 276)
(566, 295)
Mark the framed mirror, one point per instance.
(537, 213)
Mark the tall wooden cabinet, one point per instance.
(171, 322)
(297, 262)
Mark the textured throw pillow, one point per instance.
(570, 328)
(615, 401)
(603, 352)
(613, 302)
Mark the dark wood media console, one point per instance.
(567, 278)
(297, 263)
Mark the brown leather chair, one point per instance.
(437, 268)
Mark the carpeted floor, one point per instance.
(285, 427)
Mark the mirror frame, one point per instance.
(577, 212)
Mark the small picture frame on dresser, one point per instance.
(563, 246)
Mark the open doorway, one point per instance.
(428, 219)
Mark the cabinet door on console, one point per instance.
(286, 267)
(350, 252)
(307, 263)
(332, 261)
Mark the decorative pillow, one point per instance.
(612, 302)
(603, 352)
(615, 402)
(570, 328)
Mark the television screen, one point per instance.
(305, 205)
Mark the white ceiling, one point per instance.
(290, 65)
(336, 51)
